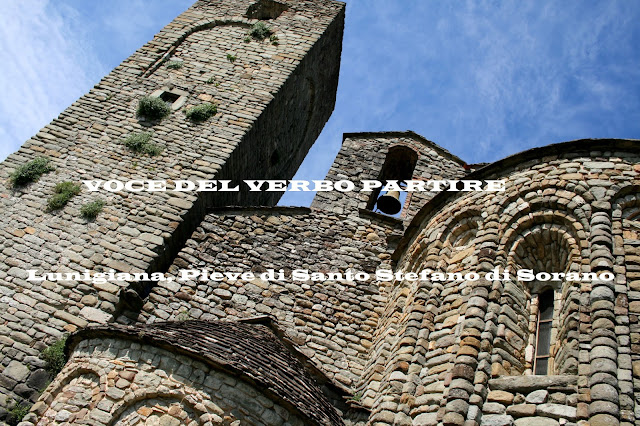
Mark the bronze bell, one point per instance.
(389, 203)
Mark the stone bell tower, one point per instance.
(271, 70)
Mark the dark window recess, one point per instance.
(266, 9)
(543, 335)
(275, 158)
(169, 97)
(398, 165)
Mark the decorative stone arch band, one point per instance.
(587, 209)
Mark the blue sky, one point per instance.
(482, 79)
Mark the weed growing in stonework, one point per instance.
(201, 112)
(182, 316)
(213, 81)
(141, 142)
(63, 193)
(260, 31)
(152, 108)
(231, 58)
(174, 65)
(17, 413)
(31, 171)
(91, 209)
(356, 397)
(54, 356)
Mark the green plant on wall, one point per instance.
(63, 192)
(141, 143)
(92, 209)
(17, 412)
(31, 171)
(152, 108)
(54, 356)
(174, 65)
(357, 397)
(201, 112)
(274, 39)
(260, 31)
(182, 315)
(212, 80)
(231, 58)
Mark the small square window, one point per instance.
(169, 97)
(174, 97)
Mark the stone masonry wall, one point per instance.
(439, 345)
(114, 381)
(272, 102)
(424, 352)
(531, 400)
(408, 352)
(626, 233)
(331, 322)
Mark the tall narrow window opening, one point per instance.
(543, 331)
(398, 165)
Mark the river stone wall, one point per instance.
(110, 380)
(331, 321)
(438, 346)
(273, 98)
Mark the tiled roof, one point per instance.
(249, 350)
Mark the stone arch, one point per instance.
(627, 200)
(174, 408)
(69, 373)
(441, 235)
(465, 230)
(544, 238)
(417, 305)
(459, 235)
(456, 244)
(504, 220)
(204, 25)
(540, 247)
(194, 28)
(84, 386)
(538, 198)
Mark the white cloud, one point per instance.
(483, 79)
(45, 67)
(487, 80)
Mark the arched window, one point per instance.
(398, 165)
(541, 316)
(544, 326)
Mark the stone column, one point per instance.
(468, 386)
(603, 381)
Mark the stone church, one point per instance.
(246, 87)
